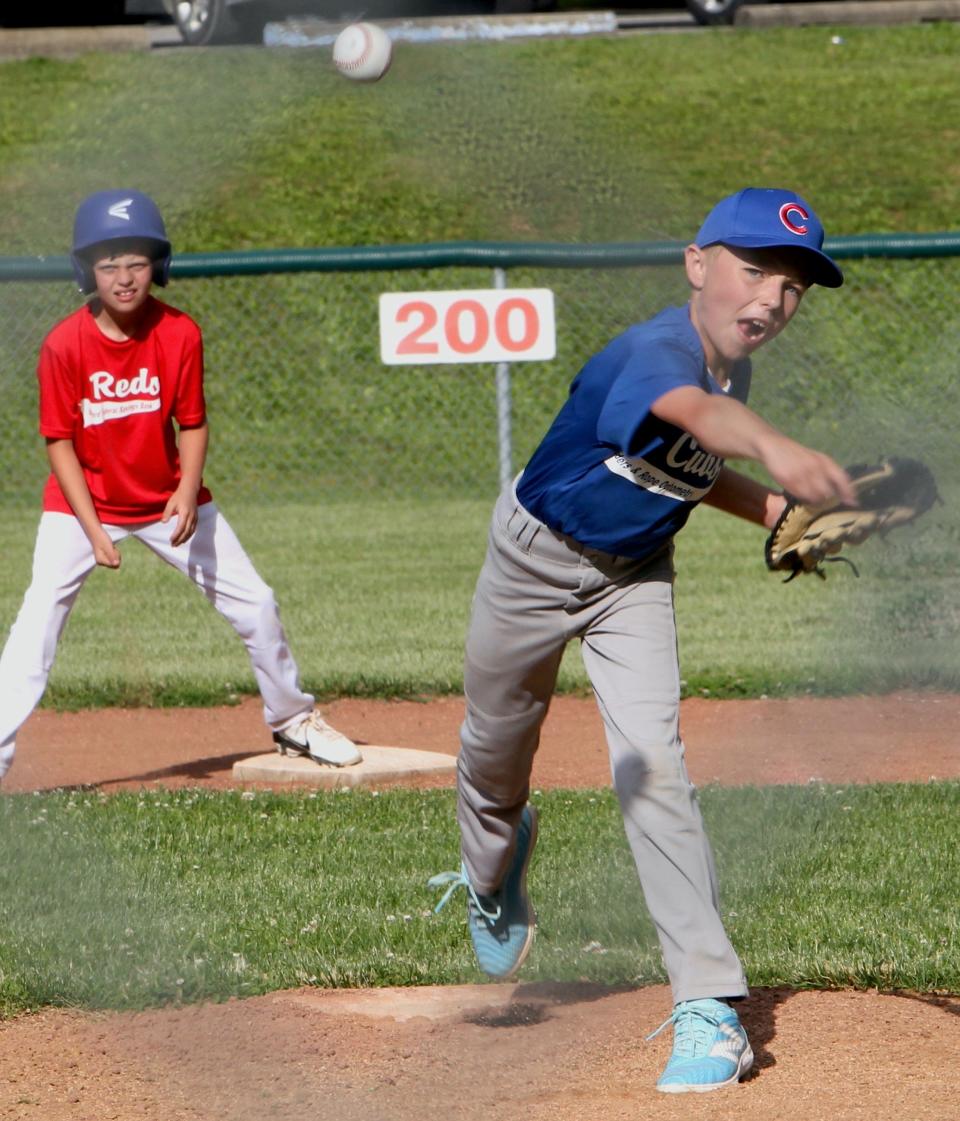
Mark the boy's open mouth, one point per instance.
(753, 328)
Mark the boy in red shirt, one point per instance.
(122, 409)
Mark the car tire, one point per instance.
(713, 11)
(208, 23)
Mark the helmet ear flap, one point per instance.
(83, 272)
(161, 270)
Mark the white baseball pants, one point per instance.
(539, 589)
(213, 559)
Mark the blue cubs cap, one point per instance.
(764, 218)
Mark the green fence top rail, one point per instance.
(251, 262)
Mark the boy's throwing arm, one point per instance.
(726, 427)
(744, 497)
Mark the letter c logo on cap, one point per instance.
(793, 226)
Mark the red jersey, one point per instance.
(117, 402)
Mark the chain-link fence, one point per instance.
(301, 405)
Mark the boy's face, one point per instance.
(741, 298)
(123, 280)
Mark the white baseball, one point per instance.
(363, 51)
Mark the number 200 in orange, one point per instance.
(483, 325)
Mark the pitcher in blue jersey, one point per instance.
(581, 547)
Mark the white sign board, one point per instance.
(487, 325)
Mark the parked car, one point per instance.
(203, 22)
(207, 22)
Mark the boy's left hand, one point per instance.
(184, 505)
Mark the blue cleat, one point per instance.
(502, 924)
(710, 1048)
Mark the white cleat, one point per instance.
(313, 736)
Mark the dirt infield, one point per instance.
(541, 1052)
(901, 737)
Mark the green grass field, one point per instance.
(626, 138)
(161, 897)
(136, 900)
(379, 476)
(143, 635)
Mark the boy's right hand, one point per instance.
(105, 553)
(807, 475)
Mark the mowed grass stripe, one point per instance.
(144, 899)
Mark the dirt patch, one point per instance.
(900, 737)
(545, 1052)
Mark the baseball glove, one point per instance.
(892, 492)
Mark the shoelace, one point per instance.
(456, 880)
(694, 1031)
(316, 721)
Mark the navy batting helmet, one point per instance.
(117, 215)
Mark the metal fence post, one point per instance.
(504, 408)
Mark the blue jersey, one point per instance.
(608, 472)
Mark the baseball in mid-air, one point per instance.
(363, 52)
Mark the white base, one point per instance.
(379, 764)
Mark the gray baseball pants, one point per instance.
(537, 590)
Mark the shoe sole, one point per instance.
(744, 1065)
(531, 913)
